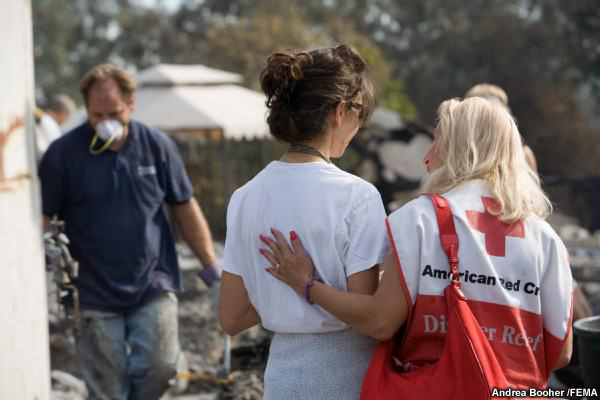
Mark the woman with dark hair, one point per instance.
(317, 100)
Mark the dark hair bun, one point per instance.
(303, 88)
(279, 78)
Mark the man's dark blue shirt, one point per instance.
(113, 205)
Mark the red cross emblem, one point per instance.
(495, 231)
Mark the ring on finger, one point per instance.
(276, 268)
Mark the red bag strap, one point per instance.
(448, 236)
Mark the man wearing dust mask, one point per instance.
(109, 180)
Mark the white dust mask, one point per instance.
(110, 131)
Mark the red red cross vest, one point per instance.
(517, 279)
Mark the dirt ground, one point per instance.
(202, 342)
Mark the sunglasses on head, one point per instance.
(361, 108)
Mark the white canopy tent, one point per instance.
(239, 112)
(195, 101)
(177, 74)
(195, 98)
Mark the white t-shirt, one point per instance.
(339, 218)
(516, 278)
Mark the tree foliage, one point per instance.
(544, 53)
(233, 35)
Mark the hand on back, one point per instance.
(290, 265)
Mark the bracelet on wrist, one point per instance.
(311, 280)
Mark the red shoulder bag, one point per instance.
(467, 368)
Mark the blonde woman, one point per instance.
(514, 268)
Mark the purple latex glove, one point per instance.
(211, 273)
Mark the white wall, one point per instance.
(24, 359)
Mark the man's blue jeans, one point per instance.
(132, 355)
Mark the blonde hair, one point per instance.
(480, 140)
(489, 92)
